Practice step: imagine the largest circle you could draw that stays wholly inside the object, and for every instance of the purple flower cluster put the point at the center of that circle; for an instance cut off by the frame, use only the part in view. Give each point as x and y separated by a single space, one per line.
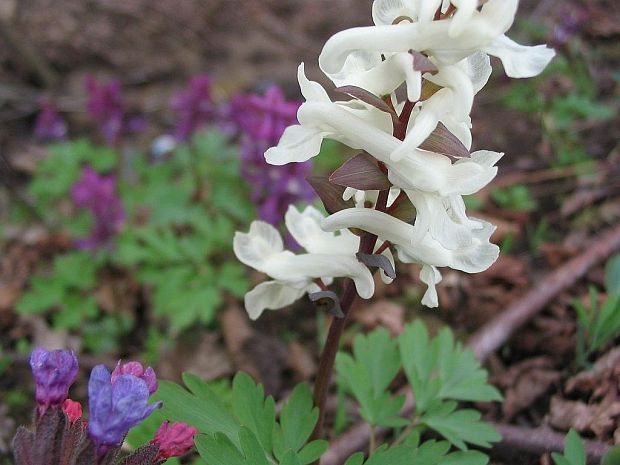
107 106
98 194
115 407
261 121
118 401
194 107
570 23
49 125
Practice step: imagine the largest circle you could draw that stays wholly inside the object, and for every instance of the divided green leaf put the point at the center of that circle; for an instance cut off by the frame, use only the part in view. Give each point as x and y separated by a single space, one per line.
245 430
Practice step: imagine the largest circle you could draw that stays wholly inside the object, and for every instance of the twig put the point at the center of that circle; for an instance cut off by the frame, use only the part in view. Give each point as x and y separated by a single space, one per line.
542 440
532 440
495 333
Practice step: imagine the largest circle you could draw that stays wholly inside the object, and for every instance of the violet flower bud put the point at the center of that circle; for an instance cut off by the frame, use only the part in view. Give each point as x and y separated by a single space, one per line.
54 372
136 369
115 407
173 439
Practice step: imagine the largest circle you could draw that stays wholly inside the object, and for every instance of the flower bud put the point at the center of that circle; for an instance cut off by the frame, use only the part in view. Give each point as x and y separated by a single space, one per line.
54 372
173 439
136 369
73 410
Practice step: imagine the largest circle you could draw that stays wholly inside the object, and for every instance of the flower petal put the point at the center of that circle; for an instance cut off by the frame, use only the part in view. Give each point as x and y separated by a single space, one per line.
306 230
430 276
520 61
297 144
256 247
270 295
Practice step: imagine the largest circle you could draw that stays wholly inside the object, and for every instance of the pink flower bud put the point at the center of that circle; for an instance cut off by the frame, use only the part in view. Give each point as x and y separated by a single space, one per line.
73 410
173 439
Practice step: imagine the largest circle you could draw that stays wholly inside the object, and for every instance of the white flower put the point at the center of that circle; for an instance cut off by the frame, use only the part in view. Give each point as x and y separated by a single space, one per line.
473 255
303 141
293 275
416 169
447 41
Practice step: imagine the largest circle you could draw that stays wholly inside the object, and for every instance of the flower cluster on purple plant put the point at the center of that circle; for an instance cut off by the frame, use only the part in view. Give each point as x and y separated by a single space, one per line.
118 401
256 121
107 106
194 107
261 120
49 125
98 194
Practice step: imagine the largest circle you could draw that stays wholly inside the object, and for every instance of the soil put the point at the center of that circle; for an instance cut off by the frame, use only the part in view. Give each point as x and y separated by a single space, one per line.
154 46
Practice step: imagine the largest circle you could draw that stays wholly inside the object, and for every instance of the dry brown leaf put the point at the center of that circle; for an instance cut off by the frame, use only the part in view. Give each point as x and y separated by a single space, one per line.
382 313
601 418
206 359
526 382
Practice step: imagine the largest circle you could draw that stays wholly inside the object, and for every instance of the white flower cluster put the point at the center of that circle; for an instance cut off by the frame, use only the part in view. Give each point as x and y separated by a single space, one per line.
442 45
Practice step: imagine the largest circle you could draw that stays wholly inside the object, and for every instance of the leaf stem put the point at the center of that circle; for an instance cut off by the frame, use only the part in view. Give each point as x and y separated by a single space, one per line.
372 445
404 433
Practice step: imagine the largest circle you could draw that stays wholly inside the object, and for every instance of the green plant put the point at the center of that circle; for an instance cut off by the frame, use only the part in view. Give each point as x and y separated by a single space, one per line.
245 428
516 197
599 324
56 173
193 203
561 113
440 372
67 288
574 452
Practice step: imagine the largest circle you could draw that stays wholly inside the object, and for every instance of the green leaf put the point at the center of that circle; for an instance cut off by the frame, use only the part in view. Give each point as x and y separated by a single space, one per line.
252 410
355 459
43 295
201 408
440 368
76 269
460 426
218 449
396 455
612 275
312 451
252 448
369 372
297 420
466 457
612 457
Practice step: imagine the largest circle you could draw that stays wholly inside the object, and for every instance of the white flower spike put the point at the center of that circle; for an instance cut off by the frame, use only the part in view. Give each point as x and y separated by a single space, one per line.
420 65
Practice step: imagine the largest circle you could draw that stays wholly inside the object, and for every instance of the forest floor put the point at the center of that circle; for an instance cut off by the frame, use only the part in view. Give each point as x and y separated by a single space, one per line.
557 197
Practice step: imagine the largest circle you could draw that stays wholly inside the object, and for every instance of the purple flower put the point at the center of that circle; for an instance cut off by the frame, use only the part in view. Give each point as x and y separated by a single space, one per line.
106 106
173 439
54 372
115 407
194 107
570 23
136 369
98 194
261 121
49 125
